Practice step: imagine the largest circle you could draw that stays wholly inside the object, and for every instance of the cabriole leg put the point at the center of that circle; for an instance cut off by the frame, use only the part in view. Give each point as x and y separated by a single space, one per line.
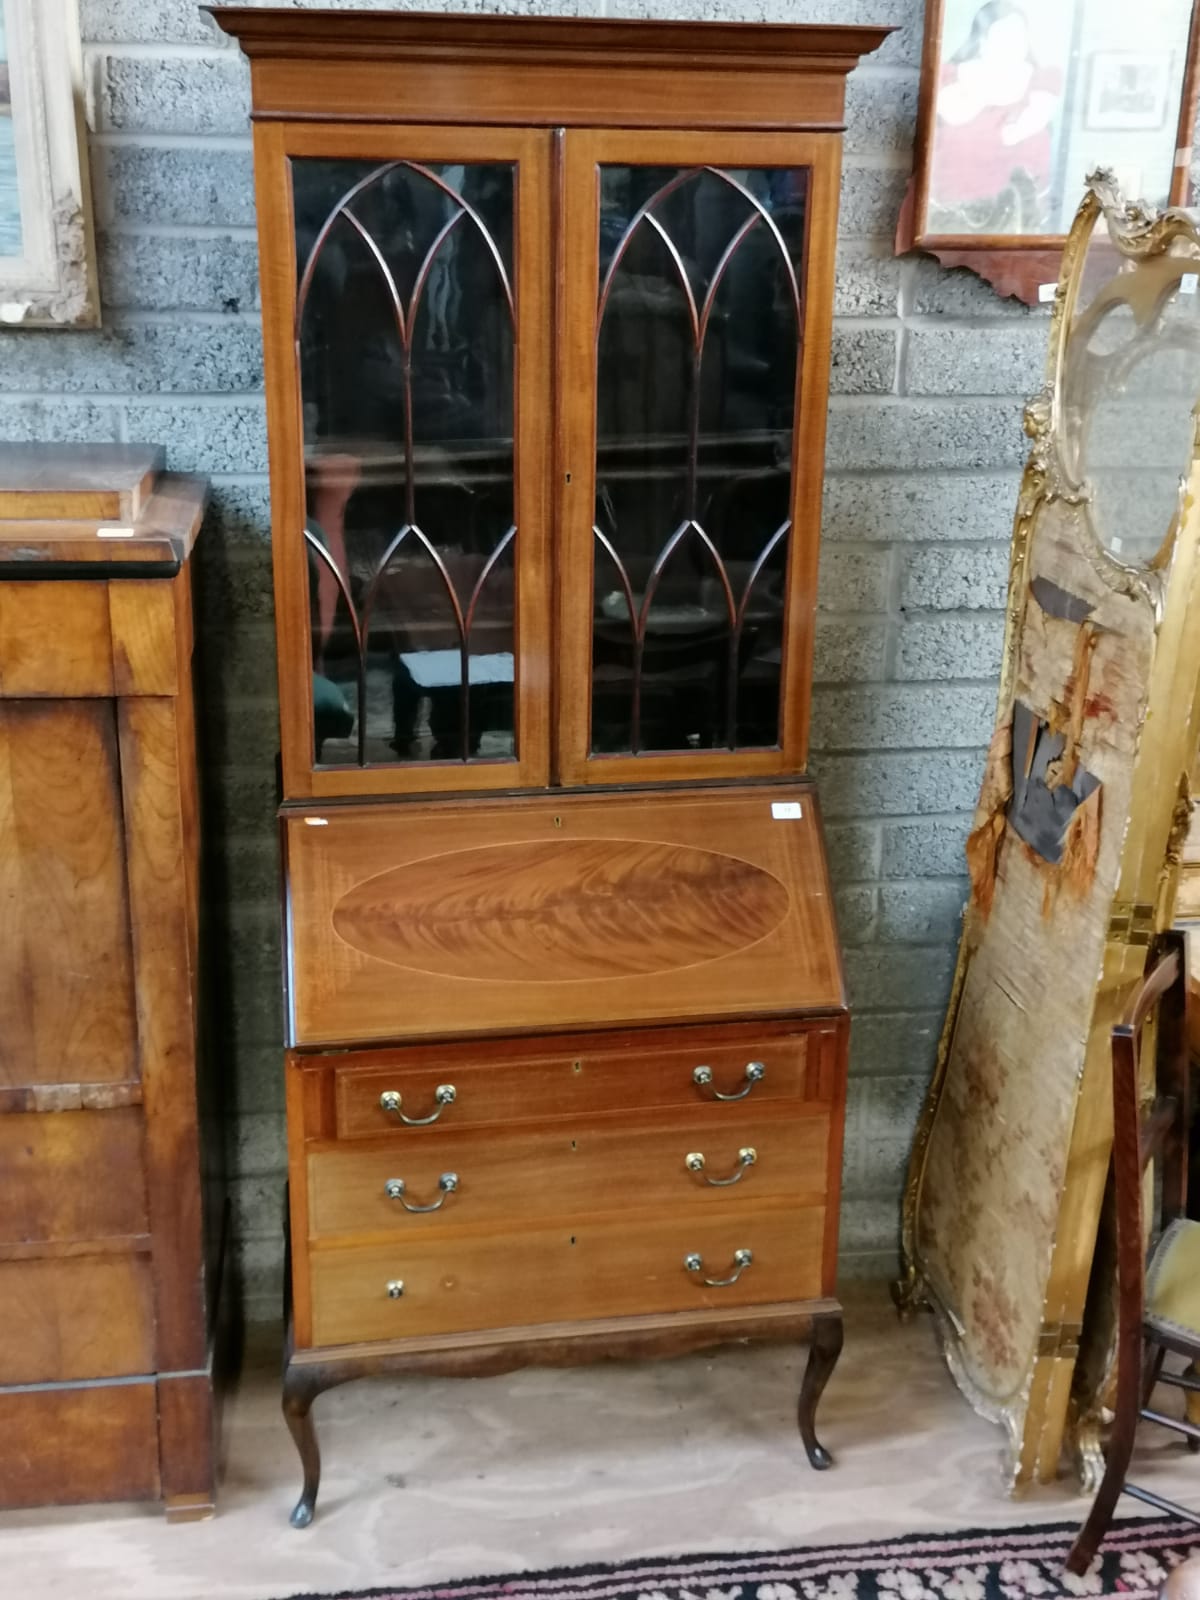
826 1347
299 1392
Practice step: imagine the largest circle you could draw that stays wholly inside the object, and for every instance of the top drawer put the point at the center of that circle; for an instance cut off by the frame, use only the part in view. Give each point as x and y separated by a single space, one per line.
465 1087
557 912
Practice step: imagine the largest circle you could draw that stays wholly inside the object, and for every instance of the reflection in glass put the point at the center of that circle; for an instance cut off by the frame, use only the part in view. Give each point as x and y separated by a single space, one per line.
1032 97
405 333
698 335
1129 394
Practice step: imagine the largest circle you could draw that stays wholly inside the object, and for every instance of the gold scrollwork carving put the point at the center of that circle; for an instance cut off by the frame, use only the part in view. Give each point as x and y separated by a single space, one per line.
1052 474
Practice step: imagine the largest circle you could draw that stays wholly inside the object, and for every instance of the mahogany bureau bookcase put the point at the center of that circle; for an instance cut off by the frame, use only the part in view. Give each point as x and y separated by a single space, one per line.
110 1198
547 308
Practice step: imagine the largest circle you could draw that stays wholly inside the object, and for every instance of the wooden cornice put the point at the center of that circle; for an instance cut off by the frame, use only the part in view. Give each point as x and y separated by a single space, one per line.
406 67
398 35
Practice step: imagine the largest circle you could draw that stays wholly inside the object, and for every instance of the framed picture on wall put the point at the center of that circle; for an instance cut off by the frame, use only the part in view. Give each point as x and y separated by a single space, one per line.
47 245
1020 100
1128 89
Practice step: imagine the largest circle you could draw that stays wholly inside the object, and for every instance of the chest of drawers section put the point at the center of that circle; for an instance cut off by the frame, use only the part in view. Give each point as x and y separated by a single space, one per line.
456 1189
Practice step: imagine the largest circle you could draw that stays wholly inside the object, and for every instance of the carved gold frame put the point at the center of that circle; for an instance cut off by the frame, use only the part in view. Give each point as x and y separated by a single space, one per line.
1141 236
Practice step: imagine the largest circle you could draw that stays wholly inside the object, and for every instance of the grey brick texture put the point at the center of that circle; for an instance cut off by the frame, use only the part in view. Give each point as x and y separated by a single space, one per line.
925 446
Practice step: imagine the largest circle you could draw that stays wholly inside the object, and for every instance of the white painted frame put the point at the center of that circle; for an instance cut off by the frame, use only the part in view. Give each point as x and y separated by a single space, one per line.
52 283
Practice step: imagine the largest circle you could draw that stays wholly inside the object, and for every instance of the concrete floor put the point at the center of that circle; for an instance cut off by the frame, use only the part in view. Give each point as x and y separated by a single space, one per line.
432 1479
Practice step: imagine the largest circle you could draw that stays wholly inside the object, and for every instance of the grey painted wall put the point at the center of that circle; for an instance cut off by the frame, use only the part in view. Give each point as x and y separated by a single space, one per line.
925 444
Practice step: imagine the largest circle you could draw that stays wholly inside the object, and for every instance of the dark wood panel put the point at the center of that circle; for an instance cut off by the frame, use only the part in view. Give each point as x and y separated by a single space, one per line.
54 640
91 1317
560 1273
162 954
187 1445
70 1446
66 993
504 1081
71 1175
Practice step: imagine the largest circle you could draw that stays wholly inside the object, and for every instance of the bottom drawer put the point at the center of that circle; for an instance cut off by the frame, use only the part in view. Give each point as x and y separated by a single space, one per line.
570 1272
78 1317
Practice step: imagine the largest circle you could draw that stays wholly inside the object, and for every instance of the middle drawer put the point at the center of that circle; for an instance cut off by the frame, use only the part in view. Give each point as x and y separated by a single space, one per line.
587 1168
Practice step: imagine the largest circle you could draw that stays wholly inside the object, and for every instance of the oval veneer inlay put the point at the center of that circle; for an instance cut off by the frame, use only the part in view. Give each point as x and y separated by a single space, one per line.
562 911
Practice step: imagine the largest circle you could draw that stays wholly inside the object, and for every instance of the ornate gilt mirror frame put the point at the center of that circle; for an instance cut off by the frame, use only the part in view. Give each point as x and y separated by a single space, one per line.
1077 836
1018 101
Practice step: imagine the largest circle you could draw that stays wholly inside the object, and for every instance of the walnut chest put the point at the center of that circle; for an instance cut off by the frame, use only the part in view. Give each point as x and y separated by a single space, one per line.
110 1230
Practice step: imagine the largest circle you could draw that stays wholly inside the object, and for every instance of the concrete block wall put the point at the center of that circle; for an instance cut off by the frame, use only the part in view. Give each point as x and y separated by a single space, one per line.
925 444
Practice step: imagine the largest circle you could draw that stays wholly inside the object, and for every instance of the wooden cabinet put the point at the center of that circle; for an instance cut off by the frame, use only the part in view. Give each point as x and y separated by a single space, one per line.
109 1233
548 307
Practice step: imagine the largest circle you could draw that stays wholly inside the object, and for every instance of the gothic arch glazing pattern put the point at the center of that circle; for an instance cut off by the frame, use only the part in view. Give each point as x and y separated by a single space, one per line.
406 323
698 344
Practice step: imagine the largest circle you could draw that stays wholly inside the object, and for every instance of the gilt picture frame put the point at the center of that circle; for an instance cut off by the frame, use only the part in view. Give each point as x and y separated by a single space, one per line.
47 240
1019 101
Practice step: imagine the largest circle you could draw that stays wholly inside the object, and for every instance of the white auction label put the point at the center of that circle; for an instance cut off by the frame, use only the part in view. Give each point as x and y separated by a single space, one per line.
786 810
1047 291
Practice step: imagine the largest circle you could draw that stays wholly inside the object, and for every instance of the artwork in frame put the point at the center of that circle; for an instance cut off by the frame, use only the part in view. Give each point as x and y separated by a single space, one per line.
1020 99
1128 89
47 244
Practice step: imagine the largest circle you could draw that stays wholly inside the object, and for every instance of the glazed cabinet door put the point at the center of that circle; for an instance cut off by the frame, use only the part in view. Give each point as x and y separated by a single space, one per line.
694 335
407 326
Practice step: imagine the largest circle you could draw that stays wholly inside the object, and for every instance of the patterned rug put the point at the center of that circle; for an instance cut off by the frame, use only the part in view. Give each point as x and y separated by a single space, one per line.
986 1564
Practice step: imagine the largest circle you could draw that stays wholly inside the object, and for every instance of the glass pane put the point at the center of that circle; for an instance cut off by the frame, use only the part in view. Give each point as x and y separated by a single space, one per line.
698 336
406 335
1132 381
1033 96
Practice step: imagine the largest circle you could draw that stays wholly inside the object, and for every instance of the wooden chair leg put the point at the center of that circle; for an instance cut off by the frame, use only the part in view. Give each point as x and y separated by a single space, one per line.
1120 1450
1089 1537
1152 1366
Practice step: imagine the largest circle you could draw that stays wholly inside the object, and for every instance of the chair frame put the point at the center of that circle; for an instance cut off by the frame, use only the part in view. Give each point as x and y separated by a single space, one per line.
1137 1139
